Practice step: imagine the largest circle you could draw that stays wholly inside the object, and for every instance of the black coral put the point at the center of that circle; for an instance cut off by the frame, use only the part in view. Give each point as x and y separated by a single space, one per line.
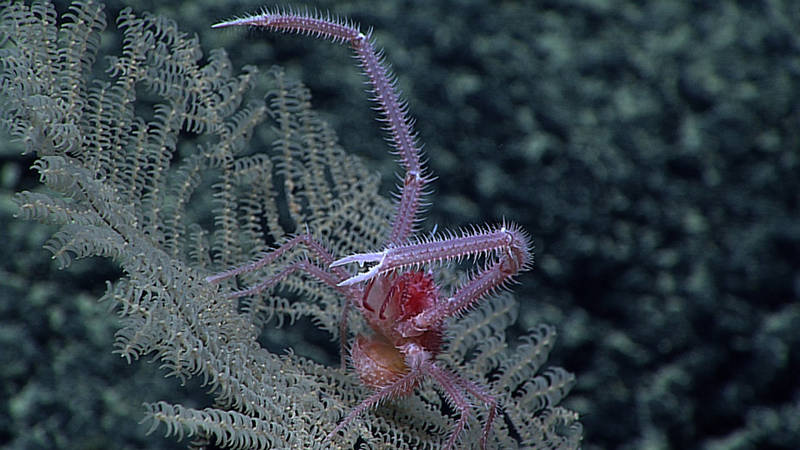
151 168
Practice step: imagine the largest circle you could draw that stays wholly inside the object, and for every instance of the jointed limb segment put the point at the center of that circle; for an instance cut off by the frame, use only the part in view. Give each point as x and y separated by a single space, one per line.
479 286
455 396
302 266
454 387
403 386
510 245
480 394
265 260
394 111
331 276
316 248
408 207
323 275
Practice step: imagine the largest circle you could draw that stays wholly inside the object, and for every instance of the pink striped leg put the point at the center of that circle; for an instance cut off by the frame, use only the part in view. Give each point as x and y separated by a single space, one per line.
329 276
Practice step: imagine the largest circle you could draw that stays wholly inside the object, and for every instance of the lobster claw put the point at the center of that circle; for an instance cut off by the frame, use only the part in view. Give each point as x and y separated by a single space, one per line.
361 259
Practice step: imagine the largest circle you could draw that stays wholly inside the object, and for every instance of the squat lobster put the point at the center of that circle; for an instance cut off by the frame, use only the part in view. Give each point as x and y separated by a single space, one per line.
400 302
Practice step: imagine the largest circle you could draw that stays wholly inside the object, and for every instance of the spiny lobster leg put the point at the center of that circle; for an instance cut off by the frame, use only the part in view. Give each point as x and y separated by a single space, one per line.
298 266
393 110
421 364
454 388
332 277
399 388
479 393
491 278
455 396
316 247
508 241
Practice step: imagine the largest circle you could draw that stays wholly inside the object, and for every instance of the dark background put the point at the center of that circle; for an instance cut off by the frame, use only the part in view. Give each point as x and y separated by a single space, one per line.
651 148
